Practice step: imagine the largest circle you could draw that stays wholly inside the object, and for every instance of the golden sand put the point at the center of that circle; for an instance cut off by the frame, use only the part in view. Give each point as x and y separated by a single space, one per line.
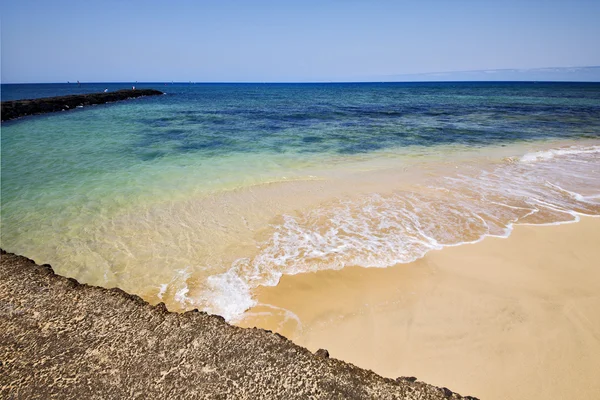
515 318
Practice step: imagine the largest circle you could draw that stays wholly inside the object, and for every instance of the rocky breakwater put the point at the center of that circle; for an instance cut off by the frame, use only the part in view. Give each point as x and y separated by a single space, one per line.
62 339
19 108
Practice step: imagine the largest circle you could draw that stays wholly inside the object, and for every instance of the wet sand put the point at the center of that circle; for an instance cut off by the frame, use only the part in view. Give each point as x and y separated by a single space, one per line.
513 318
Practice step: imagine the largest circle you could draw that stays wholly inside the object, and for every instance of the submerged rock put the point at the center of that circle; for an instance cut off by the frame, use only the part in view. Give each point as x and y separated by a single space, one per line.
19 108
62 339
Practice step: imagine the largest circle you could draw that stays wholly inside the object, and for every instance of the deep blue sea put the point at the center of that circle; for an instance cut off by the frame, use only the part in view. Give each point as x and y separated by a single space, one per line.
201 195
348 118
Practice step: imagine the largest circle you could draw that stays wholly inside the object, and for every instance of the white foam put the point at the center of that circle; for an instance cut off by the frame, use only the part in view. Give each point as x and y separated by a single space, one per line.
162 289
381 231
549 154
376 233
576 218
181 295
229 295
178 281
574 195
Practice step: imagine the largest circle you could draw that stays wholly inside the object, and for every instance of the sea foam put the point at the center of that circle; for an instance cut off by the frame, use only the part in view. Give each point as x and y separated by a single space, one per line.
548 154
380 230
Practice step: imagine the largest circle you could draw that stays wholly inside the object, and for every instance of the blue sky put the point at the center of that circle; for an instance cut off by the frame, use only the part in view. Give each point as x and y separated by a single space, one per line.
265 41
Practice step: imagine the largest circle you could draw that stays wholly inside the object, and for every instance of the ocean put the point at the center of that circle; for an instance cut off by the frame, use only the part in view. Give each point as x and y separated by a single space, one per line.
197 197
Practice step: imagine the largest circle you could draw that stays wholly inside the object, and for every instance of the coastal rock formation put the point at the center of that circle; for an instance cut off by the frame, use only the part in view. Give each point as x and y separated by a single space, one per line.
19 108
63 339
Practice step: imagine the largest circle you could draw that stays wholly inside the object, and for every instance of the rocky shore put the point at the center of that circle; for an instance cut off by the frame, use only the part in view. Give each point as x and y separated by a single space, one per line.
62 339
19 108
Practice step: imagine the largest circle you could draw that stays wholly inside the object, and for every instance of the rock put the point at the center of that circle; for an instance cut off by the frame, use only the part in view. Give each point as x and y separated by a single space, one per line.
61 339
19 108
322 353
406 378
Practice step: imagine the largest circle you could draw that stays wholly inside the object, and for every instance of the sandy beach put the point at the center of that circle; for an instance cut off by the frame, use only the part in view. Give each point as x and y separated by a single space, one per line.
513 318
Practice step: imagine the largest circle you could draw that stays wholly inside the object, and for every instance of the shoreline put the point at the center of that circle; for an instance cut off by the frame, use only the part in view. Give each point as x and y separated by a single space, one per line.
518 310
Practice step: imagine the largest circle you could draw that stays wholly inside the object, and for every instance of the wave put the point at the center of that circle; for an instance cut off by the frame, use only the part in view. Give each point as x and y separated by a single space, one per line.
548 154
377 230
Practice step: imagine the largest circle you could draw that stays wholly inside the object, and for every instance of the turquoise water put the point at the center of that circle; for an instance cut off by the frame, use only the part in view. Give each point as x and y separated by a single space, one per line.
202 184
266 128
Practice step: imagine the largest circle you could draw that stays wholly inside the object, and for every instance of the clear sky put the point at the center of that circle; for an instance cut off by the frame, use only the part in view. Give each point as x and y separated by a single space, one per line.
303 40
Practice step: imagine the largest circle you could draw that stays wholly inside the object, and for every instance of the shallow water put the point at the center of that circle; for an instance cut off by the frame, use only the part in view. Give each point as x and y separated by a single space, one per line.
197 197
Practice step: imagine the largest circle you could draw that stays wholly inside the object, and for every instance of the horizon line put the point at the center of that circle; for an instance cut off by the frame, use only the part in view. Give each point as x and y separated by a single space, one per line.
294 82
373 80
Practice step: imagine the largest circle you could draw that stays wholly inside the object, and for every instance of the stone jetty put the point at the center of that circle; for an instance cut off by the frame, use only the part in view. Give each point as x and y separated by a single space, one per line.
19 108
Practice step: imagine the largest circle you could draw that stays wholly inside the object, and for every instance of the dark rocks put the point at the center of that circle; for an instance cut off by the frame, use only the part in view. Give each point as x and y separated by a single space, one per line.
19 108
322 353
406 378
60 339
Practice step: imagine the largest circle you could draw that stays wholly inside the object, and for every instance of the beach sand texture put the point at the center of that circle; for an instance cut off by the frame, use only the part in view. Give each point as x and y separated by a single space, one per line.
513 318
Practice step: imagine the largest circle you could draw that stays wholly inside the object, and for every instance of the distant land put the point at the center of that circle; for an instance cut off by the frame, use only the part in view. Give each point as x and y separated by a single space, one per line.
560 74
